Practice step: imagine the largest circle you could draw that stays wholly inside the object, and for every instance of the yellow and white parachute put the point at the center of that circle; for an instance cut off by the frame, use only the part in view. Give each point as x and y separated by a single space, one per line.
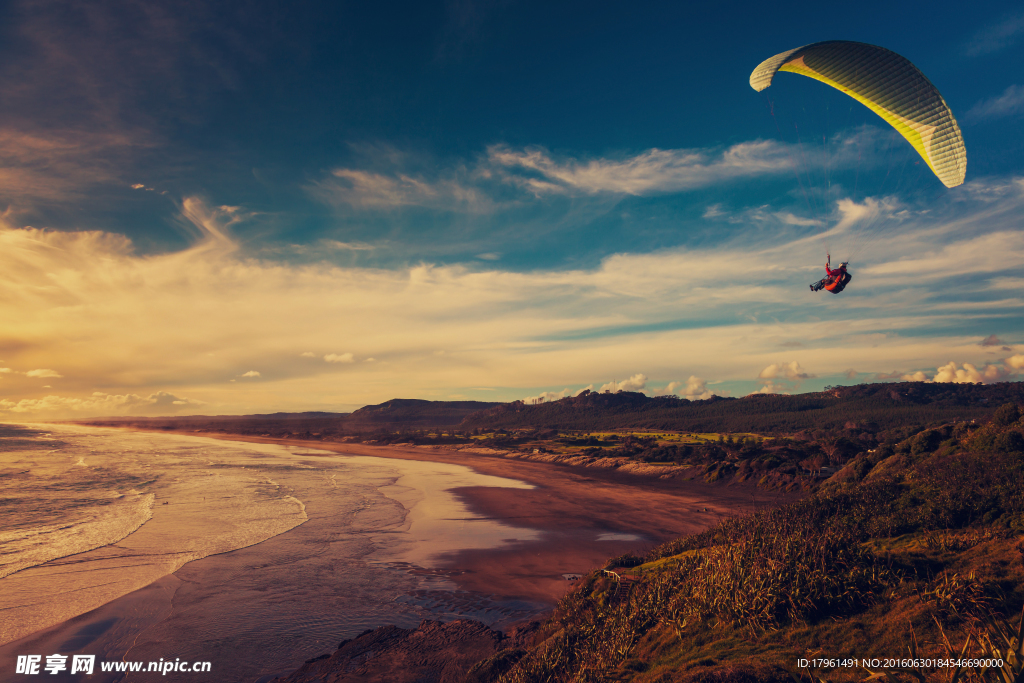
890 86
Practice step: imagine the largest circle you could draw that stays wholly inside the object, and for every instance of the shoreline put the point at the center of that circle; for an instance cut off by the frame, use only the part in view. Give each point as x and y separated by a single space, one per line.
572 505
583 516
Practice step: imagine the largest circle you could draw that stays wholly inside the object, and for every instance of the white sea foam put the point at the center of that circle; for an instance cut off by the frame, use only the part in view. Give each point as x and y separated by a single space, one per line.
144 505
99 525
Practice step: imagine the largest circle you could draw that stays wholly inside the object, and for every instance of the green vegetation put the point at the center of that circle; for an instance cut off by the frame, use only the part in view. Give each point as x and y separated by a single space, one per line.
910 544
883 406
916 548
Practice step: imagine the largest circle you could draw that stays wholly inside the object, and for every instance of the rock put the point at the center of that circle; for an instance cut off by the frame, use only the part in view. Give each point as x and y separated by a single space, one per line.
434 651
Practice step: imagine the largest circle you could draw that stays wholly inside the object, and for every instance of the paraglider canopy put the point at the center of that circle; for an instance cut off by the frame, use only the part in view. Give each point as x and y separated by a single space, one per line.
890 86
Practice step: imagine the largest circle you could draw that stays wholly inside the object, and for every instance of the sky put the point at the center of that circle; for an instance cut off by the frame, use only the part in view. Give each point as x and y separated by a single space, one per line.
225 208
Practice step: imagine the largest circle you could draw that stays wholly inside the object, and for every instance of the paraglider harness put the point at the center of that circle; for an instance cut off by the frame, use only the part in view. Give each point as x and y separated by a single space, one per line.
836 280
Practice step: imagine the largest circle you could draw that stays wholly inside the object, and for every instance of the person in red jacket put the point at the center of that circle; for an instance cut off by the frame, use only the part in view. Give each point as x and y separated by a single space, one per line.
836 280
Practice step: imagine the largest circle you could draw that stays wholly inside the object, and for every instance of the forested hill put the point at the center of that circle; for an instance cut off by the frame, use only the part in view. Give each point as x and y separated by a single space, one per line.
417 412
882 406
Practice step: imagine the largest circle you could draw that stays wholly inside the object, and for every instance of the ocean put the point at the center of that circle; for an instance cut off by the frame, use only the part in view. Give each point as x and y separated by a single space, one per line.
136 546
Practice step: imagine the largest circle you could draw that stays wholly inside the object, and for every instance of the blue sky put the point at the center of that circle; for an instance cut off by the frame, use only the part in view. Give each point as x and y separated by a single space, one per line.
252 207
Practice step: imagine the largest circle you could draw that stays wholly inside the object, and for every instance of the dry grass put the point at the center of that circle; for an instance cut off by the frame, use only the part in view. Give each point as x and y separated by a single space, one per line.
852 571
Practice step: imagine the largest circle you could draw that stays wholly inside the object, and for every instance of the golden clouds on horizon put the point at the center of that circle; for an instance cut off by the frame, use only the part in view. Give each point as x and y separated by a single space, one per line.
128 333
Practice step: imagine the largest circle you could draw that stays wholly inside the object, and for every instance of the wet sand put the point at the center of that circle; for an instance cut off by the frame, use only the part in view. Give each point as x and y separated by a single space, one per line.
586 515
581 517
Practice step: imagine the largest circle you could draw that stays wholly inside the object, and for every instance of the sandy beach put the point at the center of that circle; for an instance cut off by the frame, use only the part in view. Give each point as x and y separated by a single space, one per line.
484 536
571 506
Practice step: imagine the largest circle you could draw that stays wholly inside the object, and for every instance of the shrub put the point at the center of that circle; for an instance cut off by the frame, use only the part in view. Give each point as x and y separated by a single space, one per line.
1010 442
1006 415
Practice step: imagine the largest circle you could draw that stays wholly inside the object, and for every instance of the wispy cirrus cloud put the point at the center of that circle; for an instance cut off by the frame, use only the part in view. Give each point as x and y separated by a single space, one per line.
1008 104
59 165
508 179
92 89
997 36
367 190
651 172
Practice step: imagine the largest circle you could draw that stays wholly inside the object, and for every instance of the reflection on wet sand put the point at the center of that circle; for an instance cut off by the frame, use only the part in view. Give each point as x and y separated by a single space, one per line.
367 530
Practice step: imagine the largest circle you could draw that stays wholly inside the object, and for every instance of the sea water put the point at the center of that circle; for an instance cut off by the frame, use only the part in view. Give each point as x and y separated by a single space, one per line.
141 546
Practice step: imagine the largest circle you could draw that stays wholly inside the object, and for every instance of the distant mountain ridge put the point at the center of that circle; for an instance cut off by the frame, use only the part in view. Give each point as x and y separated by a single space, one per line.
396 414
873 406
884 405
414 410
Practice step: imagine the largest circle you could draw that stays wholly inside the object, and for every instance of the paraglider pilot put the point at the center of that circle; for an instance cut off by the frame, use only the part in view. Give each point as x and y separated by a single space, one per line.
836 280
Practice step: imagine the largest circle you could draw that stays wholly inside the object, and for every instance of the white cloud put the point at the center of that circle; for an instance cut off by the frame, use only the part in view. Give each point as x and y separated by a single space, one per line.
790 371
251 373
915 377
635 383
1010 103
997 36
87 303
345 246
368 190
695 388
792 219
44 372
56 165
98 403
993 253
5 371
307 354
546 396
339 358
782 378
771 387
669 390
653 171
968 373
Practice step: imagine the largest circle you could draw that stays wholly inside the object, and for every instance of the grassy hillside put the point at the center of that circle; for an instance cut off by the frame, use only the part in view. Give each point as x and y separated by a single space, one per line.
919 552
